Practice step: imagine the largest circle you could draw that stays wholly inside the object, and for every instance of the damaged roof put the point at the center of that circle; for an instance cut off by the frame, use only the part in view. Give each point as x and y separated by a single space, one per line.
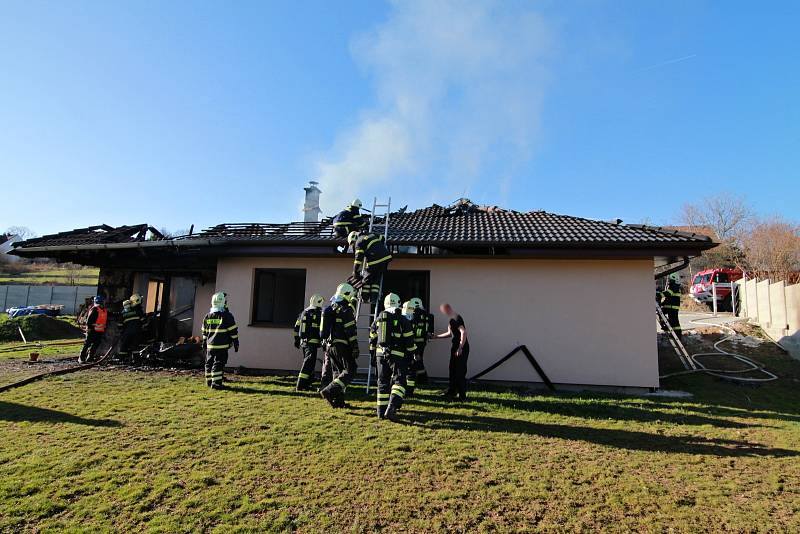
95 235
462 224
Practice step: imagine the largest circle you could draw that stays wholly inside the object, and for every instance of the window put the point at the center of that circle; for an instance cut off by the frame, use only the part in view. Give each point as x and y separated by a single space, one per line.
721 278
278 296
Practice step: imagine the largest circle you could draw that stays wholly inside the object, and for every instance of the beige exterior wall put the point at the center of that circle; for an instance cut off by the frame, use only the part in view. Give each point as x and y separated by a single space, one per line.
586 321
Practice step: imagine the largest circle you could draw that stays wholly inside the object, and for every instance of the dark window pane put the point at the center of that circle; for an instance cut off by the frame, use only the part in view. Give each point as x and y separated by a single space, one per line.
279 296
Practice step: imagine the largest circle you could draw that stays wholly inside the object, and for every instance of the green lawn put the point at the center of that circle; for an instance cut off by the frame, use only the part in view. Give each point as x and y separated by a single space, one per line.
54 276
111 450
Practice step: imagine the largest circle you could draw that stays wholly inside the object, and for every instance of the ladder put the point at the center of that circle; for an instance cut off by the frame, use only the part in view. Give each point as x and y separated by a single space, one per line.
365 314
674 340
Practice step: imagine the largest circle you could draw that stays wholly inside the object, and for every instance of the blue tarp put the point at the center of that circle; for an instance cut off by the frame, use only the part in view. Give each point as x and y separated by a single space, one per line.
32 310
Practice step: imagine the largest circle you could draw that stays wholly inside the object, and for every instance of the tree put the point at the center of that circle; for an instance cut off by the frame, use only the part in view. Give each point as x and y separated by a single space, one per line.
22 231
727 218
772 249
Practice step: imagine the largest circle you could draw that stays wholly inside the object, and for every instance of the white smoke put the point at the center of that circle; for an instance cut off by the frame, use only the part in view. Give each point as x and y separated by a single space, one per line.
458 86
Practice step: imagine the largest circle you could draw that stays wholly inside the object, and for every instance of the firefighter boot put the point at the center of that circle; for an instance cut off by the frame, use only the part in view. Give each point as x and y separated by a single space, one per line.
327 394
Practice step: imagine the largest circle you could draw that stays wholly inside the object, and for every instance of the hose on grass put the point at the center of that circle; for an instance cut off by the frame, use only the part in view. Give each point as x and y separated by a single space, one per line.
39 345
59 372
726 374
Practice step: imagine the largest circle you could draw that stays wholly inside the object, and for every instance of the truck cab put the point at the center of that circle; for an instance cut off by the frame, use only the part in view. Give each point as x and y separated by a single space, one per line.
701 287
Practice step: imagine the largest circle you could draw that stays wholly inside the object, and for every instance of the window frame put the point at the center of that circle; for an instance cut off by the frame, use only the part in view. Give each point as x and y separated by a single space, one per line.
255 292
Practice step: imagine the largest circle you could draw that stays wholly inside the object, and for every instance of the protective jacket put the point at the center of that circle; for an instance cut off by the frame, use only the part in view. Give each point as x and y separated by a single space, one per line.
392 335
338 324
132 318
306 328
670 298
370 248
97 319
349 219
220 330
423 326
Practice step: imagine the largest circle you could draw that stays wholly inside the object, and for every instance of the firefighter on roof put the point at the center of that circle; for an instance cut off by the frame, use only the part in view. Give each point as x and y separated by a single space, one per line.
306 337
350 219
220 333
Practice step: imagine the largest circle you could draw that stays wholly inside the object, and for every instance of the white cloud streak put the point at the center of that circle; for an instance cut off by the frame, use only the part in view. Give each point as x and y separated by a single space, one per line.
458 86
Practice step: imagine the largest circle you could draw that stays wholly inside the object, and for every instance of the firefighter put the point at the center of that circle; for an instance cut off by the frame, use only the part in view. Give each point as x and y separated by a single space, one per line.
350 219
392 339
220 333
306 337
338 333
422 322
371 253
131 330
96 321
670 302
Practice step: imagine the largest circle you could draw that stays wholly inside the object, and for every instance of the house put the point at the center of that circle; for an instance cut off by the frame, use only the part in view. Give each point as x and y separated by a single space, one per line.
7 245
577 292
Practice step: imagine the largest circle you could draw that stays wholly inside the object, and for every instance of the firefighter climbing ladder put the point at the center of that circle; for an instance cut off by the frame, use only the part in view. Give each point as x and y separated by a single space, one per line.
674 340
365 314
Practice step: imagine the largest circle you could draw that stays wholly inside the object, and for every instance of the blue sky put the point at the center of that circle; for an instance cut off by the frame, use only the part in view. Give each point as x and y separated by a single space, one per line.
179 113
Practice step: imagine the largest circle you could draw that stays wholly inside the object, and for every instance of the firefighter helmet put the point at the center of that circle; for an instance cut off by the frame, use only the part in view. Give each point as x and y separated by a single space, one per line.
99 300
675 278
408 309
391 301
352 237
416 303
219 300
356 203
126 304
316 300
345 291
136 299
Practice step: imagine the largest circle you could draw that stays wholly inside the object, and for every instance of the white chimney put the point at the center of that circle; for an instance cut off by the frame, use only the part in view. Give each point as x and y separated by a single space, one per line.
311 209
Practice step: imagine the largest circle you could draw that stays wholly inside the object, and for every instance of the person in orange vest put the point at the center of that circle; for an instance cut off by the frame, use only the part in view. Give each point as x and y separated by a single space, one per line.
96 323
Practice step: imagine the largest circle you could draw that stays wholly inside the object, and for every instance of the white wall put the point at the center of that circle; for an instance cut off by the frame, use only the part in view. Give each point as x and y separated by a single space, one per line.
586 321
775 307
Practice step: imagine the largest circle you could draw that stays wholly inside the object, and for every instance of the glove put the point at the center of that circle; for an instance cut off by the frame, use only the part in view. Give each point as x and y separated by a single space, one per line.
297 342
236 346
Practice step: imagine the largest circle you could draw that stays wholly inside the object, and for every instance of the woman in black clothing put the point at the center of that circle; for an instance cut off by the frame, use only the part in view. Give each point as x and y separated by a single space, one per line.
459 353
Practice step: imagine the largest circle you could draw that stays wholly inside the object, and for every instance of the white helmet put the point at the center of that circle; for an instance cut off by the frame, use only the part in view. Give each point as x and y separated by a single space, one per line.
219 300
316 300
345 291
356 203
136 299
416 303
408 309
126 303
391 301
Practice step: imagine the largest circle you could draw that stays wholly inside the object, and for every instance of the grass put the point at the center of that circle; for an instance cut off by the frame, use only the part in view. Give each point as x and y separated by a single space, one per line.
38 328
111 450
53 276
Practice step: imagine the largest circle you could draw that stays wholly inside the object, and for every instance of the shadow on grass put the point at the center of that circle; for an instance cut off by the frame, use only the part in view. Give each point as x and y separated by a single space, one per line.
11 411
622 439
589 409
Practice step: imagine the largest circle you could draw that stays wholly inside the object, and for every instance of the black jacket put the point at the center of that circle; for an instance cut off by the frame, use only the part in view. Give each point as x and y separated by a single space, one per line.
220 330
307 326
372 249
339 324
392 335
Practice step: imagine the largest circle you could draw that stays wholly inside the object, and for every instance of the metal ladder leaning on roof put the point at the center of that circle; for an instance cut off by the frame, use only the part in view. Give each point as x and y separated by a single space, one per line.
675 341
365 315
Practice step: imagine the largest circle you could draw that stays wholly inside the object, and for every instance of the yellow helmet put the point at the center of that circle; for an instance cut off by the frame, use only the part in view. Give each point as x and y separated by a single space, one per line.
136 299
316 300
352 237
345 290
356 203
391 301
416 303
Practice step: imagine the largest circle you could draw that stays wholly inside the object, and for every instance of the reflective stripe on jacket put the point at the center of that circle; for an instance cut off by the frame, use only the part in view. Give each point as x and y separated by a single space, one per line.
338 324
220 330
307 326
392 334
372 249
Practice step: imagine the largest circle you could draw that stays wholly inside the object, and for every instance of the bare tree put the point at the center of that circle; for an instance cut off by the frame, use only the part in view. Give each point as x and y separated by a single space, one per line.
22 231
772 249
726 215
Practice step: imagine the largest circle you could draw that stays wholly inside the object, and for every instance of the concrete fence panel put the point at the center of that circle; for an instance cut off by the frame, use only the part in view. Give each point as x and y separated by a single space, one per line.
71 297
764 310
752 300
